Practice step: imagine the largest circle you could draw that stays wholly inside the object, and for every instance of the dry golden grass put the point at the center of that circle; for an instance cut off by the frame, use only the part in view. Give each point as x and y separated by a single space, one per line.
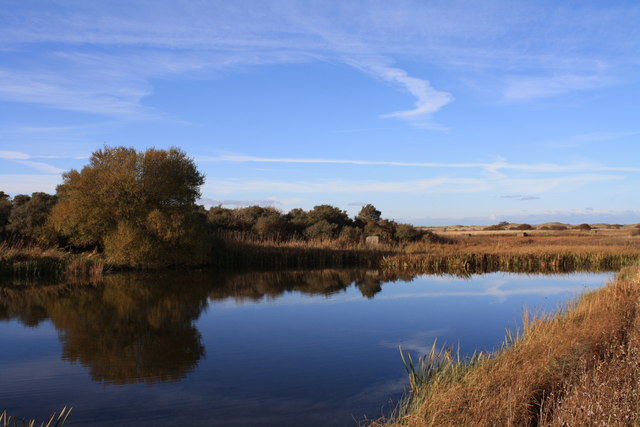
22 261
551 251
578 367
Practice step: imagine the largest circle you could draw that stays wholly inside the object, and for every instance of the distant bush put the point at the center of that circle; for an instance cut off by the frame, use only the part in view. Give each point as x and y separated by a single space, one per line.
431 237
583 227
406 233
557 227
500 226
523 227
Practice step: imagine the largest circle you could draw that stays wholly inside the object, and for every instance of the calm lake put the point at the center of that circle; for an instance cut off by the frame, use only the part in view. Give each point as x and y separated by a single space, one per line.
286 348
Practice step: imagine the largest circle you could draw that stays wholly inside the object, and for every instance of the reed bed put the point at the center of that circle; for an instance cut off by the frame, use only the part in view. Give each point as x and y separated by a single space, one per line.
250 253
460 255
576 367
546 253
24 263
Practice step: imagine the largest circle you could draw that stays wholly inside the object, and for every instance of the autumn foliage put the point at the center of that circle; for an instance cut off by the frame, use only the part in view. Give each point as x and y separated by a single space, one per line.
137 207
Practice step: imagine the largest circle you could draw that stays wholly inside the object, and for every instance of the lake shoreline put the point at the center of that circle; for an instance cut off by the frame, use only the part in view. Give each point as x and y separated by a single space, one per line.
473 253
576 367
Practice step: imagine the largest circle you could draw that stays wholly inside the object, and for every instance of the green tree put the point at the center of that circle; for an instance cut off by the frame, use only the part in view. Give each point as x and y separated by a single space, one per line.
298 220
221 219
322 230
271 224
139 207
5 211
329 214
29 215
369 213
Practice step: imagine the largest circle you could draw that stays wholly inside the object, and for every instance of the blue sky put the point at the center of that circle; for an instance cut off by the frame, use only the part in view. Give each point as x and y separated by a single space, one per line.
437 112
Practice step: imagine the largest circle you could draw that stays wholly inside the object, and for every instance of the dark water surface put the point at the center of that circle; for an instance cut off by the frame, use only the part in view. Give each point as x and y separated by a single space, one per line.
314 348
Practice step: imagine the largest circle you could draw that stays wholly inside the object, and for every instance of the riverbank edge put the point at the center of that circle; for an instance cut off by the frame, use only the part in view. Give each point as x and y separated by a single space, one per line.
579 366
34 263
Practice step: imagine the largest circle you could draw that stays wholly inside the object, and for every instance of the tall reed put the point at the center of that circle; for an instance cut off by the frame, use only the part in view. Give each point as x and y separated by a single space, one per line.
547 369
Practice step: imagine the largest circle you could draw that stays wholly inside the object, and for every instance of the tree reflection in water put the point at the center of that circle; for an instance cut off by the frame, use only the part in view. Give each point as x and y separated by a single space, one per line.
139 327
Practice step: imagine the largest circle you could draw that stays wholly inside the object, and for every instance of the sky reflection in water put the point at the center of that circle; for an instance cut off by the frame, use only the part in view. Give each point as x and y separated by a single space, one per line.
278 348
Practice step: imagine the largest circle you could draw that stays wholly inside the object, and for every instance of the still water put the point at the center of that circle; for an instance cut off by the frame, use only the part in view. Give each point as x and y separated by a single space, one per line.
286 348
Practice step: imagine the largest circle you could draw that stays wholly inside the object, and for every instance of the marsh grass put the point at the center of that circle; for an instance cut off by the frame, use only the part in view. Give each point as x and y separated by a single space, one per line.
542 254
241 252
561 369
55 420
24 262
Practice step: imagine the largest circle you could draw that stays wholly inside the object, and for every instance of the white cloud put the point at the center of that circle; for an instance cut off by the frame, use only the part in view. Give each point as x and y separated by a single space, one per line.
530 87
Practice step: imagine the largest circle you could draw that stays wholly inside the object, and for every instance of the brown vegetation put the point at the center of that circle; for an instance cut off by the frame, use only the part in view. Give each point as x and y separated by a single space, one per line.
540 251
28 262
578 367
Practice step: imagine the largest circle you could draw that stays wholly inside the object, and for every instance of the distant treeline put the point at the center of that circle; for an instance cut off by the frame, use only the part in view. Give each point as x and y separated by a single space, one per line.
139 209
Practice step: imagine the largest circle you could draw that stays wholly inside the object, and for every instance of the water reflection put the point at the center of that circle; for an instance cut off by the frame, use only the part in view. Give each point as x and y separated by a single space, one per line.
140 327
265 348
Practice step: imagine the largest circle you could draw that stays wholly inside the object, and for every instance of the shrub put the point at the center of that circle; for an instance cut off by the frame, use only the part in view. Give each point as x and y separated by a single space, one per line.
406 233
524 227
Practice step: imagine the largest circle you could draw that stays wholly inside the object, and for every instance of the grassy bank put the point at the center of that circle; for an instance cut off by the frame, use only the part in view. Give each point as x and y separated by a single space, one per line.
577 367
23 263
479 252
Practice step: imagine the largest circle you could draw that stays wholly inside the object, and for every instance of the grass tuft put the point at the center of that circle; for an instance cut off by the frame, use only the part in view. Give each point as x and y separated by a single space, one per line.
55 420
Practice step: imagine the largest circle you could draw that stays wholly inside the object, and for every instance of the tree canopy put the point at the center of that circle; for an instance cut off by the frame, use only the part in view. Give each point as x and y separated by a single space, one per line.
139 207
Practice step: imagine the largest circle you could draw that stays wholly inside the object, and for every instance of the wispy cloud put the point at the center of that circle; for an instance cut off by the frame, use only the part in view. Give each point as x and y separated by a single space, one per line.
491 167
239 203
40 166
364 57
426 186
13 155
427 99
590 138
533 87
520 197
23 159
145 40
